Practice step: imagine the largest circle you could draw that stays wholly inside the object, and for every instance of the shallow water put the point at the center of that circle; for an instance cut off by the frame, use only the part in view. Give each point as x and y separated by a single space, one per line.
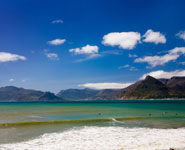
22 124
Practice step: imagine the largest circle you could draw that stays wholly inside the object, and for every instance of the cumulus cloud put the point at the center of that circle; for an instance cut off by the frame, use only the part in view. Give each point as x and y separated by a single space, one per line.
105 85
181 35
11 80
125 40
161 60
162 74
5 57
154 37
88 49
57 21
52 56
57 42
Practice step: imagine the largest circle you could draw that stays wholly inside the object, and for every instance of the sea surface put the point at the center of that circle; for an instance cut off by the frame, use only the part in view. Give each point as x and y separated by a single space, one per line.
93 125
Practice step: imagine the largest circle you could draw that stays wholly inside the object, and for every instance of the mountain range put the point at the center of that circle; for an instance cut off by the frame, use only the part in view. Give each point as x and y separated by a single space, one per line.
12 93
149 88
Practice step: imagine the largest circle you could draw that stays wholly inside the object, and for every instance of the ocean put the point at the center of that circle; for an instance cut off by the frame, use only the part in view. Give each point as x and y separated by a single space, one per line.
93 125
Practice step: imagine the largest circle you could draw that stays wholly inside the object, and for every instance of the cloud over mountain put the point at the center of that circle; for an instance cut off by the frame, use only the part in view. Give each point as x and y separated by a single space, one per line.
163 74
105 85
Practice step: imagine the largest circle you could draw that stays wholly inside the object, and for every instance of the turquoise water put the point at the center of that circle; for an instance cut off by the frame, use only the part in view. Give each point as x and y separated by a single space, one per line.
24 121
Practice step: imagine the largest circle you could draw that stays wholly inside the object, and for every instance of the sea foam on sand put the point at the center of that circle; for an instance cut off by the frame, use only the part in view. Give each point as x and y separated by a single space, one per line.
105 138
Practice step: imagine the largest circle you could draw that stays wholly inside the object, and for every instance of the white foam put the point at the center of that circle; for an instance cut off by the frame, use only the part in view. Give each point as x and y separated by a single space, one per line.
105 138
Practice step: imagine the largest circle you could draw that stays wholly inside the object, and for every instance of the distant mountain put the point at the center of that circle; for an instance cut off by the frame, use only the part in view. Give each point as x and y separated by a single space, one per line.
176 87
49 96
89 94
77 94
146 89
12 93
164 81
151 88
107 94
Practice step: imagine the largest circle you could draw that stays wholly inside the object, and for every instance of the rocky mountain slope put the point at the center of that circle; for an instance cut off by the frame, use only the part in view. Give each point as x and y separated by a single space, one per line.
146 89
151 88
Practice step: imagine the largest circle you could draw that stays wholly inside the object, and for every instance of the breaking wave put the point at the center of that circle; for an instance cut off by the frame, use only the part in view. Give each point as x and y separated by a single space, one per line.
105 138
120 119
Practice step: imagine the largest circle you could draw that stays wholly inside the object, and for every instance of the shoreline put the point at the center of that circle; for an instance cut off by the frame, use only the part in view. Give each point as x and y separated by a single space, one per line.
102 101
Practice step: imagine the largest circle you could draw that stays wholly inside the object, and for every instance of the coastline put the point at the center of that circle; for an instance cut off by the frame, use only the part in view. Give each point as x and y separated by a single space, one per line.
101 101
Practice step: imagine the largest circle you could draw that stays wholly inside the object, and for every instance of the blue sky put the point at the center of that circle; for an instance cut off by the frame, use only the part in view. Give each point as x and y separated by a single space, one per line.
59 44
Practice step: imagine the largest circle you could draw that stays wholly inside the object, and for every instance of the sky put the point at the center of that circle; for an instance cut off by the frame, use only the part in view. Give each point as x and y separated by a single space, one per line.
51 45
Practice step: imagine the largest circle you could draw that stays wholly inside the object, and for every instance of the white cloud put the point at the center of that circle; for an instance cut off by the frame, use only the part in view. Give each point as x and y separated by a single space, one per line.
133 69
181 35
5 57
11 80
132 56
161 60
162 74
88 49
125 40
106 85
57 42
124 66
23 80
57 21
182 63
177 50
157 60
113 52
89 57
52 56
154 37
